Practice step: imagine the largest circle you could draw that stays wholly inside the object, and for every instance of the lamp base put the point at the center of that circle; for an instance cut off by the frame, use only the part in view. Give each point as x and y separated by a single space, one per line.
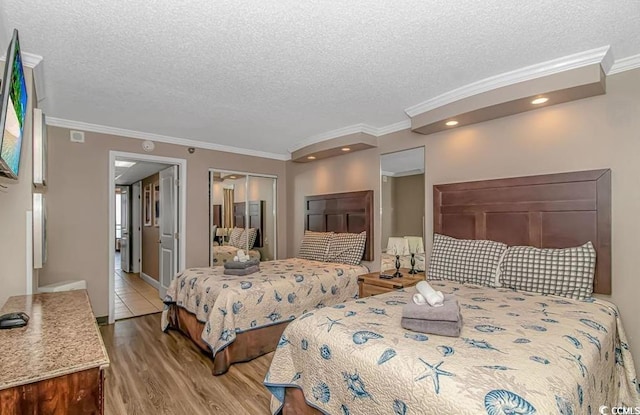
397 274
413 271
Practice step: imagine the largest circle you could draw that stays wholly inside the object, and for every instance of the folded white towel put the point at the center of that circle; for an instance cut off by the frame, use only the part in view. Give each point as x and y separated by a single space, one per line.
426 294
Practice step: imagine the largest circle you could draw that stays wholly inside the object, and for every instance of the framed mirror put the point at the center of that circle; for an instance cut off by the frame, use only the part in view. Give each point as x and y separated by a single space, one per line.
402 185
242 216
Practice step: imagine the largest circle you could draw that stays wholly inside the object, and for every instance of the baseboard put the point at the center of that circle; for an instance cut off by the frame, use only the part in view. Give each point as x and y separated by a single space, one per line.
150 280
102 321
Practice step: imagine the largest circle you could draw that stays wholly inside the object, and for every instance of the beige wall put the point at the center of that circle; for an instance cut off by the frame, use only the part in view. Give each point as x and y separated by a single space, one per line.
78 205
150 235
408 205
598 132
15 201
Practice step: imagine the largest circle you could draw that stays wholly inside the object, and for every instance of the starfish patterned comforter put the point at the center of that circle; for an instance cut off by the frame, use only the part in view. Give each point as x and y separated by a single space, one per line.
281 291
518 353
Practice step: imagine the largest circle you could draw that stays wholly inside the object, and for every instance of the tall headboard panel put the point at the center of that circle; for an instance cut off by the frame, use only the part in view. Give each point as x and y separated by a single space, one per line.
548 211
342 212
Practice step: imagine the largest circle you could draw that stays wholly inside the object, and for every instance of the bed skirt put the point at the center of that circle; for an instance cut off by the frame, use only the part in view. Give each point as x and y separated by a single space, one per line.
295 404
247 346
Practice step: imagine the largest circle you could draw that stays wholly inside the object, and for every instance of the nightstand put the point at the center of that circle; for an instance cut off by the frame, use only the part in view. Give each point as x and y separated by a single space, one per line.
372 284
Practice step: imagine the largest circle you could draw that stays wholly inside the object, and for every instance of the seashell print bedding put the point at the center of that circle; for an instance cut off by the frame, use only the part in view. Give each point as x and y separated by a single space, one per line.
518 353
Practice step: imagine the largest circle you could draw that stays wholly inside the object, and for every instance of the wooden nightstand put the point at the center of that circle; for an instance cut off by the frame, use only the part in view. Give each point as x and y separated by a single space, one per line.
372 284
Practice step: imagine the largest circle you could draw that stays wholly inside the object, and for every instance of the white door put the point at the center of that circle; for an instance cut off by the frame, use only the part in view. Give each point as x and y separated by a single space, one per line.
135 237
124 226
169 231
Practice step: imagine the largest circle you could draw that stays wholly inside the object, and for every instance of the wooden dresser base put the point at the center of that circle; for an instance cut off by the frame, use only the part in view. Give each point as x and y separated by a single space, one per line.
78 393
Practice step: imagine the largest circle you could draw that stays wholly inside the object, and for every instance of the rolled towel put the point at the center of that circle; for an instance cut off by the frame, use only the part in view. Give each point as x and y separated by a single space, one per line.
241 265
450 310
419 299
241 272
432 297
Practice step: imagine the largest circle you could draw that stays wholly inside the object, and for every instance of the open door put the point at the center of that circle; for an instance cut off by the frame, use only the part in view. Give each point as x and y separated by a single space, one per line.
124 237
169 232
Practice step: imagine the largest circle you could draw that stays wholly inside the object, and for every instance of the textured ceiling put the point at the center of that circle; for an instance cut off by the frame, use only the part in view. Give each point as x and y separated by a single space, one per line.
265 75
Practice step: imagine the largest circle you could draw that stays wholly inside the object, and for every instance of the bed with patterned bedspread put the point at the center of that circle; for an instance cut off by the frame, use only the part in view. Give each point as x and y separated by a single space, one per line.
224 253
518 353
279 292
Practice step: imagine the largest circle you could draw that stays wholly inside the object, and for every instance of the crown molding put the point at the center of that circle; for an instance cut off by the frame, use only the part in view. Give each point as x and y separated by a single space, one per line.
392 128
625 64
103 129
352 129
318 138
578 60
31 60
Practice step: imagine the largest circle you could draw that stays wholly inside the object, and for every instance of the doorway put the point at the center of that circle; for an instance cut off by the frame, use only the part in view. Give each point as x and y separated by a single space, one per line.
146 231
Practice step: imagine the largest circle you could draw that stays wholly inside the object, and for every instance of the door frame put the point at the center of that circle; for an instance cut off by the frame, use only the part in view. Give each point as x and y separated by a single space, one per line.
182 218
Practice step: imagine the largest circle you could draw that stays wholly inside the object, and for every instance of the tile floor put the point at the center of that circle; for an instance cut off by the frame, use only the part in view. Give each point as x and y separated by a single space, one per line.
134 297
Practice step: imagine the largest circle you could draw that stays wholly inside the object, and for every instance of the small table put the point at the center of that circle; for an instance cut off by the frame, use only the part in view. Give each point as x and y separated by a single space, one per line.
371 283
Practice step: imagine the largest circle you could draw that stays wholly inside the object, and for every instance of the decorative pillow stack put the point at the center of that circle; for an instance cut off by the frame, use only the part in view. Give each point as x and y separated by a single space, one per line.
346 248
315 245
565 272
465 260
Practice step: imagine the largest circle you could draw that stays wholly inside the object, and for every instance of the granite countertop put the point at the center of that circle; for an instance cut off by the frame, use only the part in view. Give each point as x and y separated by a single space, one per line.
62 337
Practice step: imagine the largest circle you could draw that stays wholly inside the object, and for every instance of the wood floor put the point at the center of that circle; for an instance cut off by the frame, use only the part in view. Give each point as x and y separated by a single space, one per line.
156 373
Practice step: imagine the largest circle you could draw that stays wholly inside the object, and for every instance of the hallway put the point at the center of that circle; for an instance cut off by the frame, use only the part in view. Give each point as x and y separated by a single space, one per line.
134 296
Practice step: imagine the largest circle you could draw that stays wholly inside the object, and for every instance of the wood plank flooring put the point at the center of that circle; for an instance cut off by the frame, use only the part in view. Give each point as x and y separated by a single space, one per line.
156 373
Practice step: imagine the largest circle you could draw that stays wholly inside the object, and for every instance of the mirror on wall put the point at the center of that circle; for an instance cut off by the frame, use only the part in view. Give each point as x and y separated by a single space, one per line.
402 188
242 215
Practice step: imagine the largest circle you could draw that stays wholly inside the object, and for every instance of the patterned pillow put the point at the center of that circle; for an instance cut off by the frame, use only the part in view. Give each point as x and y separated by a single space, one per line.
465 260
347 248
252 235
565 272
235 236
315 245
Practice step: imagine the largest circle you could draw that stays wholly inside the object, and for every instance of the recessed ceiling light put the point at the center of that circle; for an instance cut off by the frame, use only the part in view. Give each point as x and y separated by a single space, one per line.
311 157
540 100
123 163
346 149
451 123
232 177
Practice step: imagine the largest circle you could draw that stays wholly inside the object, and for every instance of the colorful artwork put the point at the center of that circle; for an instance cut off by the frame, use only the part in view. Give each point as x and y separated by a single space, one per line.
15 115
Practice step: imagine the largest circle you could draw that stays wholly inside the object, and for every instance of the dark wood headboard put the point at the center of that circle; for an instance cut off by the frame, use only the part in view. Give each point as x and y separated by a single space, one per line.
256 218
342 212
548 211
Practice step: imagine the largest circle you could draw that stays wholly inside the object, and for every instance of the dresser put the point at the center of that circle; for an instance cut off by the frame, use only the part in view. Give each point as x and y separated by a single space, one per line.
55 364
371 283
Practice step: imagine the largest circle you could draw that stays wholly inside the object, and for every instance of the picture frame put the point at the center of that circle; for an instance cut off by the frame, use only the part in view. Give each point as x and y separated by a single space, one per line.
39 231
39 149
156 204
147 202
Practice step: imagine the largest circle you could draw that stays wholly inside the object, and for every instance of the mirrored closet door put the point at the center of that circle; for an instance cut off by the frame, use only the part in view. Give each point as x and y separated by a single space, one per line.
402 193
242 215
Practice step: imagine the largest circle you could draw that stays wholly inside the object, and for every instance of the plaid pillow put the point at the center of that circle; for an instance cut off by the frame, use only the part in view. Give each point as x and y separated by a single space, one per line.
315 245
347 248
565 272
465 260
252 235
235 238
